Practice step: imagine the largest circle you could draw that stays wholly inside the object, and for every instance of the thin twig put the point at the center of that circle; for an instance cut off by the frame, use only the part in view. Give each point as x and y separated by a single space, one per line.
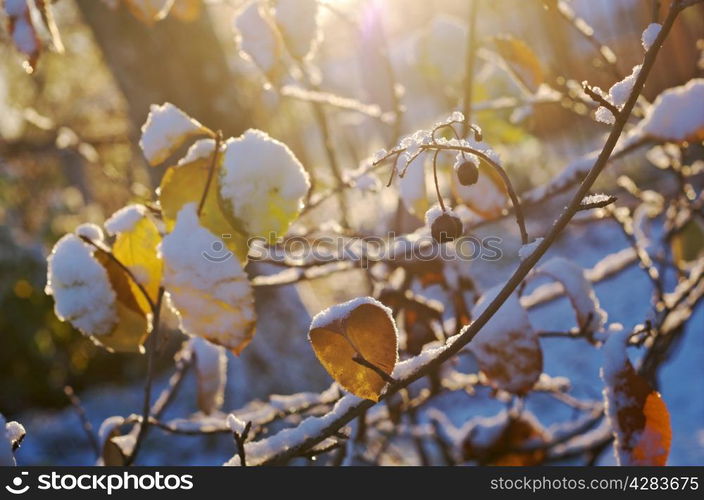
599 99
85 423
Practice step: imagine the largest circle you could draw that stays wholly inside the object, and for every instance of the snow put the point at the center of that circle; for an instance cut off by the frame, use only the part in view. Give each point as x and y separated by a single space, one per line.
202 148
341 312
260 451
82 291
590 316
211 370
166 128
649 35
235 424
615 356
90 231
434 212
263 182
256 37
463 158
676 115
125 219
526 250
618 95
15 432
213 298
298 22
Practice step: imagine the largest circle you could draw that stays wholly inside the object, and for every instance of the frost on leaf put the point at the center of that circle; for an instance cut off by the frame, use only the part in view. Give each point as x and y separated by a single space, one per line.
166 128
185 182
590 316
262 185
521 60
211 295
361 328
258 39
297 21
136 240
149 11
637 413
676 115
211 371
506 347
82 292
22 30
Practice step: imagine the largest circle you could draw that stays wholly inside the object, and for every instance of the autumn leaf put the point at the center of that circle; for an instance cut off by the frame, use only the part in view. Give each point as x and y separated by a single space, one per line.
149 11
505 448
507 348
521 60
186 10
166 129
184 183
361 328
637 413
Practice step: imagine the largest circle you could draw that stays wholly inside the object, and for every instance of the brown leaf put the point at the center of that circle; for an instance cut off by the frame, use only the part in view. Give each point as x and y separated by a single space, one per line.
521 60
360 327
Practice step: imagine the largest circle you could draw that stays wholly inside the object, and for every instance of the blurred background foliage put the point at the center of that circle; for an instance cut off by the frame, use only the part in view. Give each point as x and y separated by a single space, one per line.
68 131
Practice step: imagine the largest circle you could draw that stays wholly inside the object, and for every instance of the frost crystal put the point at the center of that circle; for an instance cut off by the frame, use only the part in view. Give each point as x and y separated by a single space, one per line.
263 182
81 288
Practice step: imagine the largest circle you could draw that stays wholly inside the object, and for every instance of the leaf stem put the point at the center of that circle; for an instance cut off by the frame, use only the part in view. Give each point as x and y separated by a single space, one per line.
211 171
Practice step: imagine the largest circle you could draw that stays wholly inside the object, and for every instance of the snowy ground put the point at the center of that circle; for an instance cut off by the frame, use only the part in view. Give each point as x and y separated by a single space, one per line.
56 438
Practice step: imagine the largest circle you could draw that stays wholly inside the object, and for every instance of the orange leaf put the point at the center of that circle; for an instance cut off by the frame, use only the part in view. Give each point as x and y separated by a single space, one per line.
521 60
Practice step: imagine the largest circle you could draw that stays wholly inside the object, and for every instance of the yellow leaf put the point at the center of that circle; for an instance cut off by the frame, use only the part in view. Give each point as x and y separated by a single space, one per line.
186 10
183 184
521 60
136 249
362 327
132 326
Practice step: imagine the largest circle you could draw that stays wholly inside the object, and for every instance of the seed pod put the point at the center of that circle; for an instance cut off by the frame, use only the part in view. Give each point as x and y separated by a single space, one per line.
446 227
467 173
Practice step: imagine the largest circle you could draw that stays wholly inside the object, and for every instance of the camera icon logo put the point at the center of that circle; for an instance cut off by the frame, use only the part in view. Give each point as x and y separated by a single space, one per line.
16 488
218 251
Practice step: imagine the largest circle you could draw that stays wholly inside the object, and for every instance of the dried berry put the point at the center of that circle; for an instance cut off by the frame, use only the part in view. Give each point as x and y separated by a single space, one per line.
467 173
446 227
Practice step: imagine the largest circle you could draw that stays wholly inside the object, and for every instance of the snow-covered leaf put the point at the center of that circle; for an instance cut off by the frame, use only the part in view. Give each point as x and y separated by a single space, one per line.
637 413
522 61
211 370
676 115
590 316
487 197
149 11
259 40
211 294
361 327
23 32
111 454
137 238
297 21
507 348
166 128
262 185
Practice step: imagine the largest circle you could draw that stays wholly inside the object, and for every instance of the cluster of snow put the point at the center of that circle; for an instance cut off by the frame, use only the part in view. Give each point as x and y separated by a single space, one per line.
463 158
590 315
257 38
236 424
340 312
211 370
90 231
676 115
213 299
125 219
526 250
649 36
81 288
165 130
202 148
298 22
618 95
263 182
434 212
